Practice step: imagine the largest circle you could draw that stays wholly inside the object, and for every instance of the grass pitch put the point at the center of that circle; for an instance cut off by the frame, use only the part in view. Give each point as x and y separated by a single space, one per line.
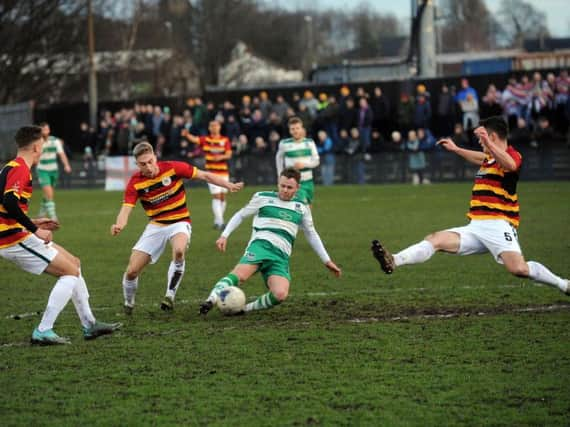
455 341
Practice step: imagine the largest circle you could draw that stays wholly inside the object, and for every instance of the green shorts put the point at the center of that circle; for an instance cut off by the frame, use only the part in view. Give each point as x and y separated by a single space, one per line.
46 178
307 192
272 261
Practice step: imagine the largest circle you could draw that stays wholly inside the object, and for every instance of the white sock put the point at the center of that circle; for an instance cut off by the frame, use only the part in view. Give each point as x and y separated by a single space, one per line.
224 204
415 254
217 209
540 273
129 290
80 298
58 299
175 273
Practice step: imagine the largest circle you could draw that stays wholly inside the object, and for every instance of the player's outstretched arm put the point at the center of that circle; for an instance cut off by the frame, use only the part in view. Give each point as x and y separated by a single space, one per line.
46 223
65 161
192 138
248 210
216 180
122 220
475 157
334 268
222 243
498 152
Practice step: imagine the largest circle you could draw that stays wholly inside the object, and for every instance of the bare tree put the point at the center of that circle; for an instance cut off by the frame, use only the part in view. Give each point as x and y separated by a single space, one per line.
207 31
38 40
468 26
521 20
370 28
129 37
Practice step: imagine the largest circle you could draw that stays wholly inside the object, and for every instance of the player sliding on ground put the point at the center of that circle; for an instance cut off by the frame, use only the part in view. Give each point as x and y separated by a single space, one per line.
28 243
494 213
278 216
160 188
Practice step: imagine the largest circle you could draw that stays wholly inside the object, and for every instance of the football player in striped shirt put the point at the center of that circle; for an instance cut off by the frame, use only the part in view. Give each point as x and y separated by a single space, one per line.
278 215
494 213
160 188
28 243
217 150
48 170
300 153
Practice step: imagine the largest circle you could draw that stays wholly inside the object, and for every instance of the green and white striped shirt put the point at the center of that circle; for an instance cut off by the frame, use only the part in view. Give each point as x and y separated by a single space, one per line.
291 151
48 160
278 221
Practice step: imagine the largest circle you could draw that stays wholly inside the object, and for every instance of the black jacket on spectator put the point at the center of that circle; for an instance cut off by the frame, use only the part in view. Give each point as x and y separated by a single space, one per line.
490 109
347 118
520 137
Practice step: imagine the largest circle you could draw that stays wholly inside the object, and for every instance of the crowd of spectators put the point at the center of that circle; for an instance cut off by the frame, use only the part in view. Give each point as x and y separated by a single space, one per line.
350 123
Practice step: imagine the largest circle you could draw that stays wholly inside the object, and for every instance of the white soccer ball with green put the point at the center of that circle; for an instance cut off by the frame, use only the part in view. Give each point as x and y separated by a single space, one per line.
231 300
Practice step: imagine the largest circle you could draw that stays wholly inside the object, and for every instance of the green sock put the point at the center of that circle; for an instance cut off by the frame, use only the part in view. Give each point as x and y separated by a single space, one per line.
264 302
225 282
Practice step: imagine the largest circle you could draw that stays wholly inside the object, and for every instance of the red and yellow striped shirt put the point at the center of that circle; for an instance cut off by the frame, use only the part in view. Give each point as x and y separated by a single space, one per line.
494 194
213 147
163 197
15 177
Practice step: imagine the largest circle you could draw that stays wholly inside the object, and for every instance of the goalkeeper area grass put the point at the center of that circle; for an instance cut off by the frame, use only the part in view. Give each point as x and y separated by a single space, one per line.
454 341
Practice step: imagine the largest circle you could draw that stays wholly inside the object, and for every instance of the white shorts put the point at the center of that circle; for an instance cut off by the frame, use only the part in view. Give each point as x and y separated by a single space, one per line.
480 236
154 238
216 189
32 254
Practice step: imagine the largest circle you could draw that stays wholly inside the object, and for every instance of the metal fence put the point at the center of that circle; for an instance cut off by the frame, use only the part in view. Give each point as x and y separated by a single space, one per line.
378 168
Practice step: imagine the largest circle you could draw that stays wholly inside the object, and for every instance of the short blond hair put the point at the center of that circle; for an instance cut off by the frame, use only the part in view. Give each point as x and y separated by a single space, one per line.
141 148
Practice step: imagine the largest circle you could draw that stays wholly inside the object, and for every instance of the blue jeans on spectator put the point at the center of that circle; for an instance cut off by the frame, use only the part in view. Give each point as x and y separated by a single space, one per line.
365 138
327 168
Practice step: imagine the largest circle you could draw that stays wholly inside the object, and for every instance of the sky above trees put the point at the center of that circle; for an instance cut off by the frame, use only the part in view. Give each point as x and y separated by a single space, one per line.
557 11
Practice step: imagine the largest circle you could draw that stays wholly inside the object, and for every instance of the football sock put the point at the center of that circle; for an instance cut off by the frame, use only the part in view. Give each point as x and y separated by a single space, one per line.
540 273
80 298
264 302
225 282
415 254
175 273
58 298
50 209
43 210
217 209
224 204
129 290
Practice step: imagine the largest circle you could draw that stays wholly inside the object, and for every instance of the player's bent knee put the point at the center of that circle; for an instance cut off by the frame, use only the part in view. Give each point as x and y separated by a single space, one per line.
131 274
519 270
435 239
280 294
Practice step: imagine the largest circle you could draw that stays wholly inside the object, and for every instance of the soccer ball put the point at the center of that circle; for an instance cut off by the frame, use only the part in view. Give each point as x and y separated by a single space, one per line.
231 300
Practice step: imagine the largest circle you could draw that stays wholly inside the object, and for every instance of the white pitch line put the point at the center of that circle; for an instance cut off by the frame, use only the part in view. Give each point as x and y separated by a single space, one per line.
535 309
15 344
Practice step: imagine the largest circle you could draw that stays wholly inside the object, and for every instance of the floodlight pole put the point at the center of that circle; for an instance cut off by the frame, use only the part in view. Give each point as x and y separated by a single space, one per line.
426 49
92 69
